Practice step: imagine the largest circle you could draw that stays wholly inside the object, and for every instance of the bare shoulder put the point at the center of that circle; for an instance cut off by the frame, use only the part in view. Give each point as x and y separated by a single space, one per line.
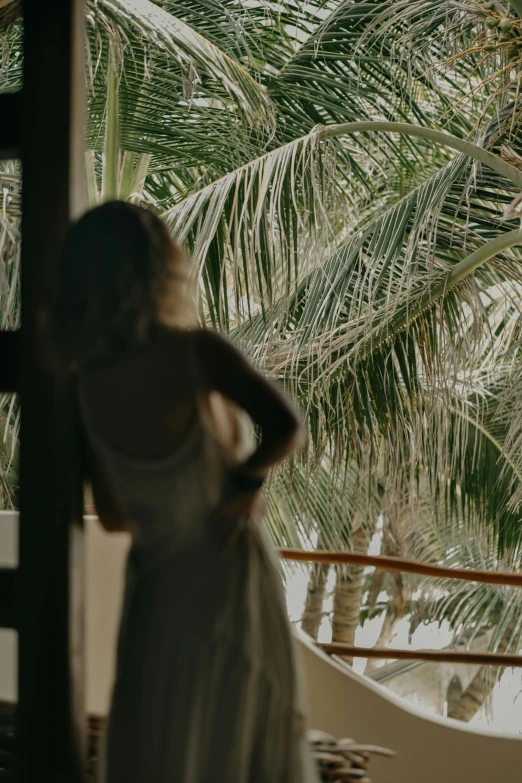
201 354
201 339
207 339
222 364
215 347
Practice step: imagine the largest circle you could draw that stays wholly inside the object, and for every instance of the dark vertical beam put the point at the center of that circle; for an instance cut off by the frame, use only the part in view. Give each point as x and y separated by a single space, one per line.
8 615
9 356
50 713
10 124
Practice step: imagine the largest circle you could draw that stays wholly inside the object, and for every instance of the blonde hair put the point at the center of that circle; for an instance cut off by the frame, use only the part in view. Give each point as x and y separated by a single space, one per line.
121 279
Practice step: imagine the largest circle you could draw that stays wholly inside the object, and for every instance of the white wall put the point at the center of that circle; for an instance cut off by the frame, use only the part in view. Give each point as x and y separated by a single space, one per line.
105 564
8 639
105 560
430 749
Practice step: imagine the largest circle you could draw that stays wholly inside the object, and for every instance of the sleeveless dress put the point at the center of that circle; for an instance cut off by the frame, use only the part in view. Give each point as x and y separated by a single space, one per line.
206 688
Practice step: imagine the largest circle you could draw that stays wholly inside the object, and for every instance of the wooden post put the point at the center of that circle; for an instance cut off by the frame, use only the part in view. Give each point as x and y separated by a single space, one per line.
50 712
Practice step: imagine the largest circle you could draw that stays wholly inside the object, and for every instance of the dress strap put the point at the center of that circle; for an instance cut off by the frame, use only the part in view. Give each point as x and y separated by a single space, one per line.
196 379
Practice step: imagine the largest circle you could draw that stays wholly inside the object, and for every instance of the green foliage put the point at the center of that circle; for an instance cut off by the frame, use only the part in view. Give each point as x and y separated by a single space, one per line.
369 270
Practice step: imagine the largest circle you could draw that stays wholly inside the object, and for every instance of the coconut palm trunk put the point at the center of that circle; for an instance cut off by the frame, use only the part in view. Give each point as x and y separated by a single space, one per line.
348 593
315 595
394 614
481 686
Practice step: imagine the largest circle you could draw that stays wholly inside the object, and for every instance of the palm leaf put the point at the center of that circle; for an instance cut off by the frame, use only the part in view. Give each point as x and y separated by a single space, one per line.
304 504
255 231
194 55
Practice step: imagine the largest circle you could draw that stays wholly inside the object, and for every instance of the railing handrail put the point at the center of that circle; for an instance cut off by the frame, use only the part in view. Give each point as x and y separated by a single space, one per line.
438 656
402 564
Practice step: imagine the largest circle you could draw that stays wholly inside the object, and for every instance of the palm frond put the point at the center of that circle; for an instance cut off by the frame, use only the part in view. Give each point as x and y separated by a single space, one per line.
255 232
468 607
261 35
196 57
305 503
10 195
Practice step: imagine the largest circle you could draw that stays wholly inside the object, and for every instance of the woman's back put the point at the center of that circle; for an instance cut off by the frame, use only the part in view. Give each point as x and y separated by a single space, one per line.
164 447
143 404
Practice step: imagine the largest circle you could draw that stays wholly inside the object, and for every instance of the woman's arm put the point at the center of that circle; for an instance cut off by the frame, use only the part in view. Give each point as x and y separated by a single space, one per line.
224 369
107 508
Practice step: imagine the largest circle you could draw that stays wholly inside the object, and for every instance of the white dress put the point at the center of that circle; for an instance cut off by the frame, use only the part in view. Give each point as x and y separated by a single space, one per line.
206 688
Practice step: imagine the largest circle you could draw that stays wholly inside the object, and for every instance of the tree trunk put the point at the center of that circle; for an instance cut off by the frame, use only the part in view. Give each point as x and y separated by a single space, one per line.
394 615
315 595
480 687
348 594
473 698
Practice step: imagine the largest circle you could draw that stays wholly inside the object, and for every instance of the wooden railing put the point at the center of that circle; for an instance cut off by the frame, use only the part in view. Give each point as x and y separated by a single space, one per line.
413 567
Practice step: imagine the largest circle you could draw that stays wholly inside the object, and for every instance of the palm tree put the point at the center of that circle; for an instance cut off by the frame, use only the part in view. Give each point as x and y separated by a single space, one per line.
338 171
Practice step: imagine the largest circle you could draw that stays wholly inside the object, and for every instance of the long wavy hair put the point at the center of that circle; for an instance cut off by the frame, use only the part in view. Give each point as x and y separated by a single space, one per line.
121 279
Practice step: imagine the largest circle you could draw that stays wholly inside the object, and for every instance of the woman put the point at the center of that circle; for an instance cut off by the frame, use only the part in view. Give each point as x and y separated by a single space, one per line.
205 687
